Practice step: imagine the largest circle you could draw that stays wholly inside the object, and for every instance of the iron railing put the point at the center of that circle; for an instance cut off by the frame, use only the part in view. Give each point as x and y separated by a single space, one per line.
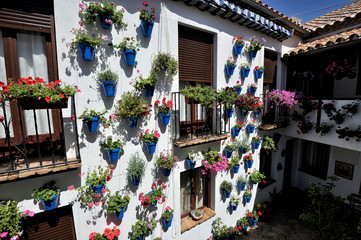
276 115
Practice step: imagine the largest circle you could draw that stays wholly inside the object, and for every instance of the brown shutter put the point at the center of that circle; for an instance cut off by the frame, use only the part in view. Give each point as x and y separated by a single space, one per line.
195 49
270 66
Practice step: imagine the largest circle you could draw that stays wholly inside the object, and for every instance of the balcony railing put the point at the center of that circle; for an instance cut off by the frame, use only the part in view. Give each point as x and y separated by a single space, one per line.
193 121
274 116
35 139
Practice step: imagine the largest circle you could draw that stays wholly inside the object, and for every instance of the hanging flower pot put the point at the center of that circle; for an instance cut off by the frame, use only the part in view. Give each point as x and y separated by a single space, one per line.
252 54
230 70
166 171
50 204
258 112
255 145
233 207
150 147
105 22
147 27
237 49
132 123
86 51
258 74
134 181
236 168
97 189
247 199
226 194
235 131
244 229
242 150
245 72
93 125
252 91
248 164
140 238
239 90
229 112
227 153
152 204
164 118
241 187
190 163
149 90
129 56
338 122
109 88
250 129
113 155
244 113
168 223
120 214
252 222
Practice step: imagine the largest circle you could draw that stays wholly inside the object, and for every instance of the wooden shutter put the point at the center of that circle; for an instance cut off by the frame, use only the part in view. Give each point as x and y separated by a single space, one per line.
270 66
34 15
195 49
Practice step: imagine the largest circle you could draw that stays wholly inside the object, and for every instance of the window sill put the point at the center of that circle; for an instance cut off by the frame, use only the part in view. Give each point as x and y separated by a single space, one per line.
188 223
197 141
267 127
312 173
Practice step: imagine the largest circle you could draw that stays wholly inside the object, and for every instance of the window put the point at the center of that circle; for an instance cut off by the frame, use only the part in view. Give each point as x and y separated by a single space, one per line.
315 158
269 83
265 166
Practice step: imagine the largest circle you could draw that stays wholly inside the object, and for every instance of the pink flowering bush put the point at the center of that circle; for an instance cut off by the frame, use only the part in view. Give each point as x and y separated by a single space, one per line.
156 195
145 14
214 162
341 68
282 98
167 159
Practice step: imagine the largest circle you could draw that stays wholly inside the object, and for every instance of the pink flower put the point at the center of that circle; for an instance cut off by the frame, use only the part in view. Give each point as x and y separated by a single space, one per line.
70 187
104 190
72 117
112 3
150 226
31 214
3 234
157 135
90 205
150 218
113 116
96 204
96 3
97 195
26 211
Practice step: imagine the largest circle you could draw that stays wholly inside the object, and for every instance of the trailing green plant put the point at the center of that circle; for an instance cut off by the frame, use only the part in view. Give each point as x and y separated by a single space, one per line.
111 144
242 180
245 65
81 35
136 167
108 75
140 83
235 200
46 192
150 136
268 144
234 161
87 116
167 160
227 96
226 186
165 61
168 213
231 62
256 176
248 192
133 106
243 222
141 228
116 202
128 43
203 95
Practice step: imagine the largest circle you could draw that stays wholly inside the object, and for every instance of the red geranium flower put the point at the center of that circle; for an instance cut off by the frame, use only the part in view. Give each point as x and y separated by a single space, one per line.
107 231
61 95
47 99
109 177
93 235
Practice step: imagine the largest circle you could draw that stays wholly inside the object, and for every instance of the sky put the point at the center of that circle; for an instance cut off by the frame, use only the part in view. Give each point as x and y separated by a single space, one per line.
306 9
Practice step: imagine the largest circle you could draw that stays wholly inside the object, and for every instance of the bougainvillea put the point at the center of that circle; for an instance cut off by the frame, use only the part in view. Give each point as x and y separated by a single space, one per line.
282 98
214 162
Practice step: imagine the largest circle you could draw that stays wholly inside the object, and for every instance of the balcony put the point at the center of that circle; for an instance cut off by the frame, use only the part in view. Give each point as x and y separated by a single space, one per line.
274 117
32 142
196 124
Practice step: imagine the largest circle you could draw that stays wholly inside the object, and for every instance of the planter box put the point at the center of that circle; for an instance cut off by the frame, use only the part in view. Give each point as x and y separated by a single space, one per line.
33 103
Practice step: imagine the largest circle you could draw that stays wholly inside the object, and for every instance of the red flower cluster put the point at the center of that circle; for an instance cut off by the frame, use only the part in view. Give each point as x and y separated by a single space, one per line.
165 107
110 234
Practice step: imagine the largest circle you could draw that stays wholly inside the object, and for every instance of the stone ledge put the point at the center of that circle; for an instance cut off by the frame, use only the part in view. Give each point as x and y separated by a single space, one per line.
188 223
268 127
197 141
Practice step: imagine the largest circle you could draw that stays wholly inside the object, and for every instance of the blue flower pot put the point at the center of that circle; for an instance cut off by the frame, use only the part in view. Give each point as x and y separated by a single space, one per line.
147 27
98 189
338 122
86 51
104 24
235 131
244 229
168 223
242 150
150 147
252 91
166 171
230 70
129 57
252 223
248 164
244 113
226 194
50 204
164 118
239 90
245 72
241 187
250 129
236 169
253 182
132 123
247 199
93 125
134 181
233 207
229 112
255 145
120 214
237 49
252 54
113 155
227 154
155 204
190 163
149 90
258 74
140 238
258 112
109 88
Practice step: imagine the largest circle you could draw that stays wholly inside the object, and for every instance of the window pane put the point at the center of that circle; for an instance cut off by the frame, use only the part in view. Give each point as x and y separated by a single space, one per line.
186 192
315 158
199 189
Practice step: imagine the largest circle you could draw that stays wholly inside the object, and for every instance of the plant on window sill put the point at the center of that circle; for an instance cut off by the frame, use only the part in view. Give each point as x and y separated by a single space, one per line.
346 133
47 194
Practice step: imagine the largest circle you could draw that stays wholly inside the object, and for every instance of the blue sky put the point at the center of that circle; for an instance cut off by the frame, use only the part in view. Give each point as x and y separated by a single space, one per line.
306 9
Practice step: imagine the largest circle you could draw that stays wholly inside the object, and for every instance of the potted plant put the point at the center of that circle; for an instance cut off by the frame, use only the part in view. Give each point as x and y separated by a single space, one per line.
226 188
48 194
132 107
150 139
256 142
338 116
91 119
112 147
243 222
203 95
248 102
248 160
245 69
231 146
305 126
253 217
247 195
147 84
108 234
324 128
166 161
214 162
106 11
251 126
258 72
136 169
117 204
164 110
155 196
238 44
129 48
257 177
351 109
308 105
238 87
109 81
328 108
230 66
227 97
241 183
167 216
165 61
234 202
282 98
244 146
252 88
268 144
38 94
233 164
147 19
193 158
254 46
142 228
237 128
85 43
